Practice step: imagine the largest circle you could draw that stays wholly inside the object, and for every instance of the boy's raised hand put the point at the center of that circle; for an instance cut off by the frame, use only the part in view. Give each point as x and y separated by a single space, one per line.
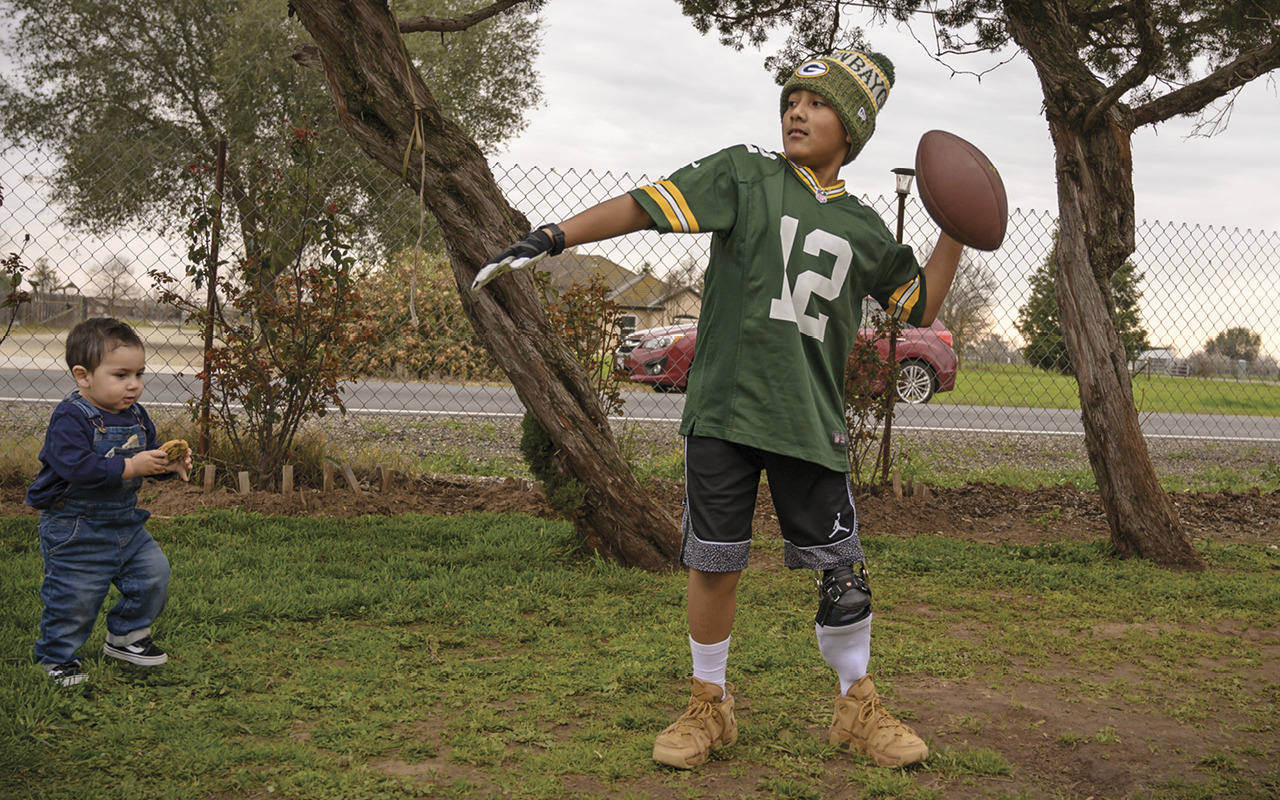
528 251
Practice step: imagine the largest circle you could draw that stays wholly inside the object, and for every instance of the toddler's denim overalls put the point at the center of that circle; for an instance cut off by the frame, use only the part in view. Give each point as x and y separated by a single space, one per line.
90 539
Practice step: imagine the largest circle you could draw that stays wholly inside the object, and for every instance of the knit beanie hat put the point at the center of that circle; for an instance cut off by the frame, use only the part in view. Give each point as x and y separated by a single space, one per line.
855 84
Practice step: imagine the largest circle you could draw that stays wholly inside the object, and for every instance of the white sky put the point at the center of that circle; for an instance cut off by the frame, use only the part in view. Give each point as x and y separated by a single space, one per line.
631 87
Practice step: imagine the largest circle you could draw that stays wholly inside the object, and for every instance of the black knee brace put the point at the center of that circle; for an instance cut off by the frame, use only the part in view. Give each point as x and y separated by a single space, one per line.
844 596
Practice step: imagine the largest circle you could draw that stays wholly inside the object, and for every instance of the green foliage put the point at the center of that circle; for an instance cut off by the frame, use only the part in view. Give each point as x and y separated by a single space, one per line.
1041 329
1235 344
442 343
561 489
586 320
43 277
284 316
125 91
867 405
1211 33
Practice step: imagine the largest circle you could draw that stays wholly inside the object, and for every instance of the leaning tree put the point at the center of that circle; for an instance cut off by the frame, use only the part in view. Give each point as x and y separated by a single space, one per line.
1106 68
387 108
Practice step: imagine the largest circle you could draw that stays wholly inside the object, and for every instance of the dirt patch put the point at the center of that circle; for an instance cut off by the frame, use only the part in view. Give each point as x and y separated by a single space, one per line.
986 513
446 496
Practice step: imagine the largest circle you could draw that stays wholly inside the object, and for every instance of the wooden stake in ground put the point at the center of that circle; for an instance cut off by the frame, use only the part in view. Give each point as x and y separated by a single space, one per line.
350 478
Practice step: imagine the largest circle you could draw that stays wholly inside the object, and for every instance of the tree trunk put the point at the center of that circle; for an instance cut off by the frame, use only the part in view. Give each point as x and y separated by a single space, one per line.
1096 234
384 105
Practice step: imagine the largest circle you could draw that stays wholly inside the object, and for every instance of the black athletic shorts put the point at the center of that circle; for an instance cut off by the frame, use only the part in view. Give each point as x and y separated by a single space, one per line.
814 505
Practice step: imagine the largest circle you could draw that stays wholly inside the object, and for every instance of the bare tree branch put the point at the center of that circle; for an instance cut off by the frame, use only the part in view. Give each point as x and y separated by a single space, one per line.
308 55
443 25
1196 96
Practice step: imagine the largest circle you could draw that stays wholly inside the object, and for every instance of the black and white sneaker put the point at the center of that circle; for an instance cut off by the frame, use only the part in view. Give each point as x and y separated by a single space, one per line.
68 674
143 652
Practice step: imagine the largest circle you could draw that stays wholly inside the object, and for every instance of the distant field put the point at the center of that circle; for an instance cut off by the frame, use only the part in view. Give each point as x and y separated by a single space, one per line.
1025 387
178 348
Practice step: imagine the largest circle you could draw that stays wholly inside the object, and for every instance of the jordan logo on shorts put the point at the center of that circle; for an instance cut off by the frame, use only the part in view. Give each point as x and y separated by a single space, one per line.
837 527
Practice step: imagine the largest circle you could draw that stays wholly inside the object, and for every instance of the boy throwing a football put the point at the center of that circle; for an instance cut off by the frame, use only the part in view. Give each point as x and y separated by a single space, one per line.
792 256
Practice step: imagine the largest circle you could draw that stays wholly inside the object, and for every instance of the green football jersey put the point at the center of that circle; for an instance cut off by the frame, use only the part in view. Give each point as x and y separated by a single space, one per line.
782 302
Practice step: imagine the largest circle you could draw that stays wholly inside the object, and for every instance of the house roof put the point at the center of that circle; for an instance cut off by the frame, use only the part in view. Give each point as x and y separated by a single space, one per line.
570 267
640 291
626 288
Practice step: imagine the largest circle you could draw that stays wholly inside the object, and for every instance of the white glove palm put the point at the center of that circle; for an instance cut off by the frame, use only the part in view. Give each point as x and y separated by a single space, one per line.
524 253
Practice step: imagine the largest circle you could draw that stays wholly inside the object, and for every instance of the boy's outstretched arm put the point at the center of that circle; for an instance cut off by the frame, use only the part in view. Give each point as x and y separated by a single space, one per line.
938 273
613 217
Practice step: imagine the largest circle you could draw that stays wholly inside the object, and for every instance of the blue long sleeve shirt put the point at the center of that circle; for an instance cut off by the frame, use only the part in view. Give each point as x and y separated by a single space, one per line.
68 458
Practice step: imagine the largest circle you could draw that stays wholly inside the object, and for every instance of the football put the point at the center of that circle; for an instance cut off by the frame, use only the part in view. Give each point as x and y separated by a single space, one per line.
961 190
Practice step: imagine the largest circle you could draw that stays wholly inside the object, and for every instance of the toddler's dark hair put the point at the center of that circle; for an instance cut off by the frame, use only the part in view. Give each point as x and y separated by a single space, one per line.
91 340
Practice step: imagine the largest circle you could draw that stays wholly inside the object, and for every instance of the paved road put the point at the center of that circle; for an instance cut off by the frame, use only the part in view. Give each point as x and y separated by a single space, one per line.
489 401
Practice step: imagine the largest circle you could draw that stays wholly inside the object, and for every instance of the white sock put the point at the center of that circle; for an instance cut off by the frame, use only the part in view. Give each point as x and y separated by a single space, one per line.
710 661
847 650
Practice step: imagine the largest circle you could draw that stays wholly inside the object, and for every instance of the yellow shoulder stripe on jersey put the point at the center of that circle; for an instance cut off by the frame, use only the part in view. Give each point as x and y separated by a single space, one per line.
673 206
903 301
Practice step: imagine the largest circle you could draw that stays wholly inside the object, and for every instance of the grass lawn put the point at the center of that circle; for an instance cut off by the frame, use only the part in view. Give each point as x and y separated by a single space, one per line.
485 656
1017 386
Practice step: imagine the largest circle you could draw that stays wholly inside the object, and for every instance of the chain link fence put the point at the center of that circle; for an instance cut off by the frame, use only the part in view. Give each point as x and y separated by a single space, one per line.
1207 322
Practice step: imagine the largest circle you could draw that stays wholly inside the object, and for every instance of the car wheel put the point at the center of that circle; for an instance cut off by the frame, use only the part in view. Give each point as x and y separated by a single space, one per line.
915 382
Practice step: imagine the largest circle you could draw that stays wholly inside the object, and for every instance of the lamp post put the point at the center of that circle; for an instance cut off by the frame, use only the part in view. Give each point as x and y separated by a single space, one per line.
902 186
902 178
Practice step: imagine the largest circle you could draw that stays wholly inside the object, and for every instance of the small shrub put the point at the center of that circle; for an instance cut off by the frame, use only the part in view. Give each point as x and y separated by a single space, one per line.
586 320
867 373
287 308
560 489
11 297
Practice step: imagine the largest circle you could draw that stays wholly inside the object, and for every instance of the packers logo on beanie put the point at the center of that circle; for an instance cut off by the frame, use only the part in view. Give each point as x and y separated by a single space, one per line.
855 84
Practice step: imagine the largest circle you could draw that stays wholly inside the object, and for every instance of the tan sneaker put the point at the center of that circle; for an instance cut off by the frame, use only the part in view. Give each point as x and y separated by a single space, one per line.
707 725
861 724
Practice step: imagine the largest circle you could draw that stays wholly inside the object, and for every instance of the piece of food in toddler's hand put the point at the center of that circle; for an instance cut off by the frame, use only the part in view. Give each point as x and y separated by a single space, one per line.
175 449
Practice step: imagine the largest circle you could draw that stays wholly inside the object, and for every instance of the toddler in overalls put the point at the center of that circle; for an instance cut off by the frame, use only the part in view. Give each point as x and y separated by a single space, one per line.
99 445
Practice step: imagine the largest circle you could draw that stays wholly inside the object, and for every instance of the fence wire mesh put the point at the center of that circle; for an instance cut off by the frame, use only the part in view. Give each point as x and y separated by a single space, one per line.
1204 362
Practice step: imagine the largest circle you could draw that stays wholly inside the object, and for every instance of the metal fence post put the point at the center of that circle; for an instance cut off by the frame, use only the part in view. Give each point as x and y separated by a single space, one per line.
206 392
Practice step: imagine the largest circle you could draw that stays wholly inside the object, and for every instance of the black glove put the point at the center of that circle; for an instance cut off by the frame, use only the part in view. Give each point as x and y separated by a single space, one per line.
547 240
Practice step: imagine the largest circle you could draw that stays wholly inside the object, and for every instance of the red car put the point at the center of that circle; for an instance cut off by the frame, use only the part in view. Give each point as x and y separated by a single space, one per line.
926 361
662 357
